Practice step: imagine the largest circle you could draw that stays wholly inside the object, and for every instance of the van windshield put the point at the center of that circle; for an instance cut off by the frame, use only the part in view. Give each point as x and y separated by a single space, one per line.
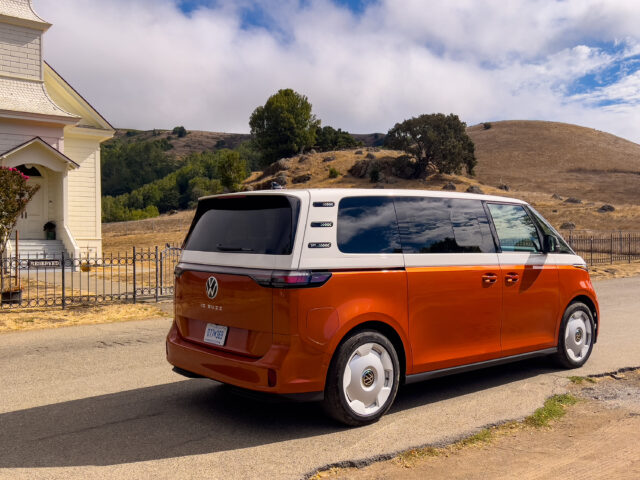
258 224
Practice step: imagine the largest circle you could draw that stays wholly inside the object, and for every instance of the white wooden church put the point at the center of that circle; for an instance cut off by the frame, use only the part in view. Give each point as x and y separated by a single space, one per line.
52 134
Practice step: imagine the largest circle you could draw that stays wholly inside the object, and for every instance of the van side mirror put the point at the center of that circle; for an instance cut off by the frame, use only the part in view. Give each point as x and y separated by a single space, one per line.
550 244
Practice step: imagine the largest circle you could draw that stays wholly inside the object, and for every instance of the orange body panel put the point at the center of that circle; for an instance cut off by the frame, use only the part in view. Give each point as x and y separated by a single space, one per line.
454 315
444 316
532 307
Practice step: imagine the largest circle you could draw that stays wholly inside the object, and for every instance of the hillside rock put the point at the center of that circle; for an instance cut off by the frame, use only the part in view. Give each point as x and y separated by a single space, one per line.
573 200
449 186
555 196
504 187
301 178
280 165
606 208
358 152
312 151
303 158
370 156
474 189
359 169
329 158
568 226
281 179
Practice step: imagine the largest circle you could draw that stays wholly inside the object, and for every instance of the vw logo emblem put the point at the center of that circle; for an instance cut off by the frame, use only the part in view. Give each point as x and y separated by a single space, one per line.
212 287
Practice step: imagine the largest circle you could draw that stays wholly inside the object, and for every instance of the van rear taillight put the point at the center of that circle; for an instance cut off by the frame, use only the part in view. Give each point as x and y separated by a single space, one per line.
296 279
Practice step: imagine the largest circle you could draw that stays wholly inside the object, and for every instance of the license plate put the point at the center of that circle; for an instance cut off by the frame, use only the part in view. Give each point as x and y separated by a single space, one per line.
215 334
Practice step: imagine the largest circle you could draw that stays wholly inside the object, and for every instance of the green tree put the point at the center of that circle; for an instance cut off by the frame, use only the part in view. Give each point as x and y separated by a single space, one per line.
284 126
435 140
231 169
128 165
15 193
328 138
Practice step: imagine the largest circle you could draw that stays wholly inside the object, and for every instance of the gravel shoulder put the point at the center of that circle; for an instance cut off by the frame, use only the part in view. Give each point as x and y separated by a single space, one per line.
597 438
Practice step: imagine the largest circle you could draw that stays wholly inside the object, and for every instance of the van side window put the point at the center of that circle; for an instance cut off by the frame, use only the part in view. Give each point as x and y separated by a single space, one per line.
367 225
515 228
443 225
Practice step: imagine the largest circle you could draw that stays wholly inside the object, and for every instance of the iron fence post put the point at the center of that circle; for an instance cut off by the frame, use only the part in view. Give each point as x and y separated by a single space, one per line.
63 281
134 274
591 250
2 263
156 274
612 248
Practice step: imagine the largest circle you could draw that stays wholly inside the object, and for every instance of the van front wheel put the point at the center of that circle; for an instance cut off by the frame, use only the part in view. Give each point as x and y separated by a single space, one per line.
577 332
363 378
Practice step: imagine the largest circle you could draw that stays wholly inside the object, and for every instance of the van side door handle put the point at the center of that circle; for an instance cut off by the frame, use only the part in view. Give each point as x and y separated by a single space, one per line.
512 277
489 278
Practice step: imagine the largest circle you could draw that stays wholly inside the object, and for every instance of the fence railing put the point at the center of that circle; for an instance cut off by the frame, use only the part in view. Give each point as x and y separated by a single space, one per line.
147 274
142 274
598 249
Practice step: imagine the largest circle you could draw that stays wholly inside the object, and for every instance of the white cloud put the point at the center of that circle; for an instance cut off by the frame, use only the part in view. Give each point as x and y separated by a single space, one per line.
145 64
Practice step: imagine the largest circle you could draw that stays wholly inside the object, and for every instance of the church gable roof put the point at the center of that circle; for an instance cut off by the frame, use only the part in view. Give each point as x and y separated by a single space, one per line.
37 142
68 98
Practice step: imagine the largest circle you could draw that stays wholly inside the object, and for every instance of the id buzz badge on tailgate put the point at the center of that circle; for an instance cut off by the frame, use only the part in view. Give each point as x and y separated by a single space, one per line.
215 334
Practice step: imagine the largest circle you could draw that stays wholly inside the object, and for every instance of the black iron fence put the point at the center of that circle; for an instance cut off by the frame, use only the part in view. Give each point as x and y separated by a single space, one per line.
142 274
598 249
147 274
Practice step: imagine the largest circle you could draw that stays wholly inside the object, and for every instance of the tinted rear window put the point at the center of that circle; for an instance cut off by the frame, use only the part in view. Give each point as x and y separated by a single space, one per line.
260 224
367 225
443 225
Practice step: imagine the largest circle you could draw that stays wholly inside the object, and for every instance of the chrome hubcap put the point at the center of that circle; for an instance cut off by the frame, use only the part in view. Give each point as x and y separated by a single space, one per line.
577 338
368 378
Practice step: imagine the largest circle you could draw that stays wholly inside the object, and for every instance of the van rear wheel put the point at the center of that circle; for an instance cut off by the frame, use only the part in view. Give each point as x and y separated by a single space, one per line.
363 378
576 336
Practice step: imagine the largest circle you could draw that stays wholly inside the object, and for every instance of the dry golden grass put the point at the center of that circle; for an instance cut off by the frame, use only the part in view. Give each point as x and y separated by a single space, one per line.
37 318
550 157
122 236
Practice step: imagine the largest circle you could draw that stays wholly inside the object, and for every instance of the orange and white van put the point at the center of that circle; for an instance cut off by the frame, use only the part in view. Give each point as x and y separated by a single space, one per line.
345 294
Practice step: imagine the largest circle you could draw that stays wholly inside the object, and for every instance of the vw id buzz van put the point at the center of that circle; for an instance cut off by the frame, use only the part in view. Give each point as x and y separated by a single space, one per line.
342 295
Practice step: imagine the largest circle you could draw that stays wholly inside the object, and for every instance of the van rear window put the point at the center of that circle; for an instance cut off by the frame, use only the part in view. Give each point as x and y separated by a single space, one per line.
258 224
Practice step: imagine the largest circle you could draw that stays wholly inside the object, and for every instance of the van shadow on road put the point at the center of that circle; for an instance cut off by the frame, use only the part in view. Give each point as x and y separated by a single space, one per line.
195 417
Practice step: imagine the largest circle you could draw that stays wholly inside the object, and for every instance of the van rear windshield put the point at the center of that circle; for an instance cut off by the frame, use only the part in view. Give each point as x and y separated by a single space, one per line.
259 224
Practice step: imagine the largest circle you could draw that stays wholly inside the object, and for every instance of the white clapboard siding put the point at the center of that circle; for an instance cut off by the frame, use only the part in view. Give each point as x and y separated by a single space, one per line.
82 193
13 134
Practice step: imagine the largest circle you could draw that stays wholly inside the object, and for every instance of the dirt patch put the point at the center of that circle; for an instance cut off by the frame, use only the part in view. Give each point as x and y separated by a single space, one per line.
597 438
33 319
614 270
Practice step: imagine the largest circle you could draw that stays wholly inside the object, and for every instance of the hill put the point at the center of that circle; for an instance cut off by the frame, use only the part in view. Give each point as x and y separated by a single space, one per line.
195 141
544 163
559 158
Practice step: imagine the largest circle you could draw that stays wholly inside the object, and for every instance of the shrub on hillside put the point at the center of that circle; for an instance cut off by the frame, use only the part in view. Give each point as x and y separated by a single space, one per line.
179 131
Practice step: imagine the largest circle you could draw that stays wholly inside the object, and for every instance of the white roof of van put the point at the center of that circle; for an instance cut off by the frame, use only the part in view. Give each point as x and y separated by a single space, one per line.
337 193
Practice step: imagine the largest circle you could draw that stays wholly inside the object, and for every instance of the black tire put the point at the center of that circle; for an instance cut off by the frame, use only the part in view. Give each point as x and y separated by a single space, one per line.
563 356
336 401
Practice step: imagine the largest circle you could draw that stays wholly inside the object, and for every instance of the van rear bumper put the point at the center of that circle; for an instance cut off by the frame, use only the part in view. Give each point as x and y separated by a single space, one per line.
293 370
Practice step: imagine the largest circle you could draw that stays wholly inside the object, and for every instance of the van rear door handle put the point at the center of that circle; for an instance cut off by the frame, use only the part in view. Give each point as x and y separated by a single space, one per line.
512 277
489 278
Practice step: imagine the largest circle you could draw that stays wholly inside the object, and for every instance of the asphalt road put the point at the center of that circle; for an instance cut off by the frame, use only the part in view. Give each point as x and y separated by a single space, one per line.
100 401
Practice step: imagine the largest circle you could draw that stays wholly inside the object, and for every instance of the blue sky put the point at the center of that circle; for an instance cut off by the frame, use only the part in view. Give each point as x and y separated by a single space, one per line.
364 64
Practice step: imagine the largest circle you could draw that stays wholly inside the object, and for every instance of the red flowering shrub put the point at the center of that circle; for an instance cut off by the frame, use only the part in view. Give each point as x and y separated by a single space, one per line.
15 193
